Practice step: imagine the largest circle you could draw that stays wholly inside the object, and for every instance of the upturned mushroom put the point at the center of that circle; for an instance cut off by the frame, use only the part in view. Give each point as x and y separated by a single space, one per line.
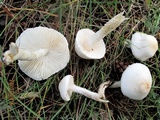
40 52
143 46
67 87
135 82
90 45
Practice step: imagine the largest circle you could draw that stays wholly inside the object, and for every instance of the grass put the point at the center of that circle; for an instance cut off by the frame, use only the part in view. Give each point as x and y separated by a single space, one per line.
68 16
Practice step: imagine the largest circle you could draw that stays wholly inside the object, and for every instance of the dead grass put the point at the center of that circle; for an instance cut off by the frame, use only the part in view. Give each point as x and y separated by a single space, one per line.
68 17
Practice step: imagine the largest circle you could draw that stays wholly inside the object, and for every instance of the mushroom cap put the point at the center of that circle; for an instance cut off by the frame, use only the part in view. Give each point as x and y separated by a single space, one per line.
55 60
84 50
136 81
143 46
65 87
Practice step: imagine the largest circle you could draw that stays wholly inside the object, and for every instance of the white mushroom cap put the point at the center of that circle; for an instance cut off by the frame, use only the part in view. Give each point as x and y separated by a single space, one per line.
136 81
143 46
65 84
83 50
56 58
90 45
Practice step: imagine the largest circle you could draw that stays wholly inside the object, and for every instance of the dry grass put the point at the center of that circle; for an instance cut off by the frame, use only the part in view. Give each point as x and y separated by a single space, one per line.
68 16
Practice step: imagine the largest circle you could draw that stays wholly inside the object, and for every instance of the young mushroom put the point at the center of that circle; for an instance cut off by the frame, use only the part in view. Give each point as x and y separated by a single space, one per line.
143 46
40 52
135 82
67 87
90 45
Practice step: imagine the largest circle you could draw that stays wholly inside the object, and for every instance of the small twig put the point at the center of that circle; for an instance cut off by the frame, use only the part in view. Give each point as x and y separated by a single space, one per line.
5 9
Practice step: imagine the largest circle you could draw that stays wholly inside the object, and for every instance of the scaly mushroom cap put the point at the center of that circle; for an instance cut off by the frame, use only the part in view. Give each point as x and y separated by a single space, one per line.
136 81
64 87
143 46
83 49
54 42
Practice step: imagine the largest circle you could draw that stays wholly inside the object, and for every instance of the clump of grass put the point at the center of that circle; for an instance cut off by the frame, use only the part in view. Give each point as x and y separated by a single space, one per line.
68 17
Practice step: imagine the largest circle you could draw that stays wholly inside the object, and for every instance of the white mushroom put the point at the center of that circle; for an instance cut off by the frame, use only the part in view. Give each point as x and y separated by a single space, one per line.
67 86
135 82
40 52
90 45
143 46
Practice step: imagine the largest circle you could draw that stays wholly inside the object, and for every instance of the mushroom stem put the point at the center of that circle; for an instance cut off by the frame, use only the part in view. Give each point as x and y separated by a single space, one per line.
102 88
15 53
27 55
88 93
116 84
127 43
107 28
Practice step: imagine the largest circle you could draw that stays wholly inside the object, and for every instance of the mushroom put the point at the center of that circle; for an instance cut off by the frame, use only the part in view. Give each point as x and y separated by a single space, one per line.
67 86
40 52
143 46
135 82
90 45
